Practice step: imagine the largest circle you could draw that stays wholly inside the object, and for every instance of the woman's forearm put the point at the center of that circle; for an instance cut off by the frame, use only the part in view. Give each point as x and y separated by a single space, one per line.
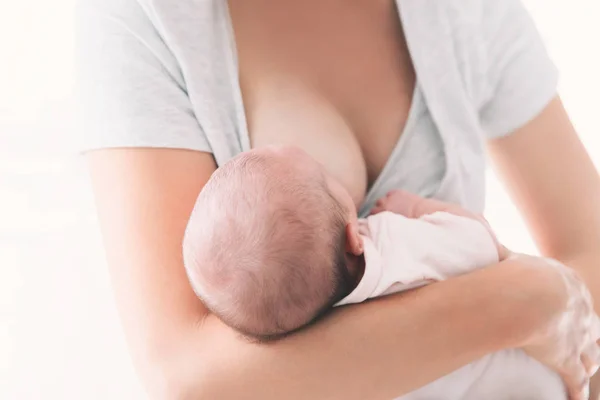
376 350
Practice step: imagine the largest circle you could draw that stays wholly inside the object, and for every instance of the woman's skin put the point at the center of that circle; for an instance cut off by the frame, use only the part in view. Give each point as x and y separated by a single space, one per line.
556 188
144 198
298 91
315 88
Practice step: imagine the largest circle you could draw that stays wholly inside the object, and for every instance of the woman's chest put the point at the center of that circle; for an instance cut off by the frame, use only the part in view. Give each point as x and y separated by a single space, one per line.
332 76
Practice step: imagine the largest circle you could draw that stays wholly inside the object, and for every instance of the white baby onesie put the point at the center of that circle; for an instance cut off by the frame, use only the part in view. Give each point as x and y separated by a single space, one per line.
403 253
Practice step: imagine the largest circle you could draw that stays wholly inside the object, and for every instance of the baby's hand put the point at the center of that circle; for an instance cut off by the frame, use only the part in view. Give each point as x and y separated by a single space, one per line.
412 206
398 202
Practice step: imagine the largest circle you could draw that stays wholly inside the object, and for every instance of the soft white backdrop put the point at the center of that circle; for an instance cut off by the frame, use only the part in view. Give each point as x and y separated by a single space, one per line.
59 332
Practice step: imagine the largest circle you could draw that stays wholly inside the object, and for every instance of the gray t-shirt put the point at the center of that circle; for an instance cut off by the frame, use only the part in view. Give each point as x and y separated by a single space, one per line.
161 73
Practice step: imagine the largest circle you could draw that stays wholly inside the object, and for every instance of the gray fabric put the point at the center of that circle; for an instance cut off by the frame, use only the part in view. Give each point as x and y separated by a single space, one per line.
158 73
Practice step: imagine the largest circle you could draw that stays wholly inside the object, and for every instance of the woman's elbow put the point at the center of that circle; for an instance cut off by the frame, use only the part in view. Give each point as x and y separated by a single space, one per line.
168 388
195 363
168 381
180 374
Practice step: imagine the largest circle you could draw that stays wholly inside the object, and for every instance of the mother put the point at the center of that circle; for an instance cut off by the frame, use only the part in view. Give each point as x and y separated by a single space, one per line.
386 95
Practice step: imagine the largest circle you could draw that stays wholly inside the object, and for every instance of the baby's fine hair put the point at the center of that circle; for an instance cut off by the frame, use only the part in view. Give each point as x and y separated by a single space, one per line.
265 246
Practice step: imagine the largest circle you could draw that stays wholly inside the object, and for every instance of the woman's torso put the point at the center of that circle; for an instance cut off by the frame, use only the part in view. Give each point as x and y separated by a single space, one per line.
164 74
335 78
325 75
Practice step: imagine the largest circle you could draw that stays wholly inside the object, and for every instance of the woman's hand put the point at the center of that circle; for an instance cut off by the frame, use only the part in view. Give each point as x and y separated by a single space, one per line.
566 338
557 190
566 342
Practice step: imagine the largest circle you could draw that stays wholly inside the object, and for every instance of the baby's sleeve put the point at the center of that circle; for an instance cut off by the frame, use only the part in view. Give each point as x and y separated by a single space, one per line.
521 78
130 90
462 244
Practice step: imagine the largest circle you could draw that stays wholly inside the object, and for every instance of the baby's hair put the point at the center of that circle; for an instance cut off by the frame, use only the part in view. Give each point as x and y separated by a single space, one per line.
265 247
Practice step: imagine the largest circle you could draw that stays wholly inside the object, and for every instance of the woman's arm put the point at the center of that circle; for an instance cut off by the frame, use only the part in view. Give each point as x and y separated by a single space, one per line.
557 189
377 350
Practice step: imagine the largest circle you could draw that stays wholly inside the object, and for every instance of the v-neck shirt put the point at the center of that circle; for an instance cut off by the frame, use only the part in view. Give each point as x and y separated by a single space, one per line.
153 73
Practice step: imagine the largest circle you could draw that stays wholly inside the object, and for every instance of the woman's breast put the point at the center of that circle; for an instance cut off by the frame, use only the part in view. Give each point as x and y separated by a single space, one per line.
333 77
290 113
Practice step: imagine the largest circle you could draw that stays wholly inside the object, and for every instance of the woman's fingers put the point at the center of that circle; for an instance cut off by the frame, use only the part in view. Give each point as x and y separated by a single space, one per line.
591 352
589 359
595 329
576 381
567 344
595 387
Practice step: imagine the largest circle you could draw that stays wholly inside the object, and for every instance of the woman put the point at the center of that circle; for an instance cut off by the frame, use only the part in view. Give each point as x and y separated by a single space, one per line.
386 95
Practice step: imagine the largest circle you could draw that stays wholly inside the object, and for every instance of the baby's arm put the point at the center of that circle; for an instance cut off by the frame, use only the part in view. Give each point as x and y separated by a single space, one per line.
412 206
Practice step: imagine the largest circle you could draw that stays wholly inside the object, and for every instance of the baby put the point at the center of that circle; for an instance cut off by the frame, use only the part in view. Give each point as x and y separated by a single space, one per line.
274 242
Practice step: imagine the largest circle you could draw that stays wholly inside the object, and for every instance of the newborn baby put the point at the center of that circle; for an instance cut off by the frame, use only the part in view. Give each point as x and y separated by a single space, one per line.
274 242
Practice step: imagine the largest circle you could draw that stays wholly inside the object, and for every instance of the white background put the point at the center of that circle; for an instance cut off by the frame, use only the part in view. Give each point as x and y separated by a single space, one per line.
59 333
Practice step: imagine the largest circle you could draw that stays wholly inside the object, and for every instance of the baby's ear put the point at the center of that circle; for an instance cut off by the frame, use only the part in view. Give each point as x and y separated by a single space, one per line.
354 242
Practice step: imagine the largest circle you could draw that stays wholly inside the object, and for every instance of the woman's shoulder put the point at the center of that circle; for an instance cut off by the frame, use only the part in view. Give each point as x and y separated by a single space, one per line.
477 20
477 28
161 18
499 53
125 21
473 11
132 90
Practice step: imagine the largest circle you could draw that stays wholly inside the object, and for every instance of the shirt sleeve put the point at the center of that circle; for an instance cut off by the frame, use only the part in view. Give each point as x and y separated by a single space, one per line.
521 77
130 91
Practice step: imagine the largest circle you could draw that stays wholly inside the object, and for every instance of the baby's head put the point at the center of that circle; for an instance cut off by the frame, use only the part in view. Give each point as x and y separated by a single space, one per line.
267 244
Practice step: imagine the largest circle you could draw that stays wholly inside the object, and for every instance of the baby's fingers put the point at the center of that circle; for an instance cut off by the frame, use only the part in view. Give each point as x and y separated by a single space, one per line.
376 210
